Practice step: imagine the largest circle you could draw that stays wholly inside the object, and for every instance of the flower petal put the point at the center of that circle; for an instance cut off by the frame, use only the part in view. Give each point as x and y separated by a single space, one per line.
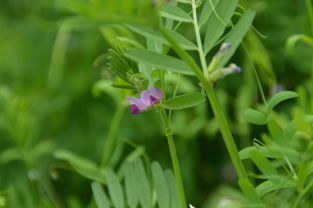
137 102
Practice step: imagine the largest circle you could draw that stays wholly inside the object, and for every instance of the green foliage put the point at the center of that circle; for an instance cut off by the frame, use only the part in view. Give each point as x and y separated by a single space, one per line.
184 101
138 187
50 123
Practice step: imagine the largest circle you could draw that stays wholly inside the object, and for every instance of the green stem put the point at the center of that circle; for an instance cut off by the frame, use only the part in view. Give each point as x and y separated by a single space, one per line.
198 38
256 76
110 141
171 144
307 188
310 13
207 85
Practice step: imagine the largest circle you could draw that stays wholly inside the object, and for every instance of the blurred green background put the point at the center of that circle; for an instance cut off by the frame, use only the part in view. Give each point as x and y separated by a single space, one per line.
46 100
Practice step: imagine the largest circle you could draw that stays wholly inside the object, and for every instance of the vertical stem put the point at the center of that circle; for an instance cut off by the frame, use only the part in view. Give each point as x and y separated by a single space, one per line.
256 76
310 12
171 144
109 143
224 128
198 38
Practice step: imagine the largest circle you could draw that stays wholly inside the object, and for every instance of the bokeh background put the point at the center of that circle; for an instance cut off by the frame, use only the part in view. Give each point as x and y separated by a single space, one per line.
47 101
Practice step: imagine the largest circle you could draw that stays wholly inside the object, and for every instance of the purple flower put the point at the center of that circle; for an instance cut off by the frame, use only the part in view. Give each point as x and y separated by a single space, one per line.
148 98
151 96
136 105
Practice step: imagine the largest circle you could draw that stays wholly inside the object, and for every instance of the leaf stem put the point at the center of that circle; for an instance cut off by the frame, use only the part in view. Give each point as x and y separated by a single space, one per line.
256 76
171 144
198 38
109 143
207 85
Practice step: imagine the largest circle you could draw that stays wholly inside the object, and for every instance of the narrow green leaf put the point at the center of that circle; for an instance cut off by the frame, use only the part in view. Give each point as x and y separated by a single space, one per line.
249 191
115 189
265 151
269 186
100 197
255 117
143 185
303 173
156 36
237 34
263 164
82 165
175 202
130 185
280 97
160 185
276 132
185 101
175 13
218 21
207 11
160 61
184 1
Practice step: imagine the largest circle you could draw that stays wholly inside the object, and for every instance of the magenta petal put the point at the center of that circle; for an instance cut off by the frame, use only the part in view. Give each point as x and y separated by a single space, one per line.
137 102
151 96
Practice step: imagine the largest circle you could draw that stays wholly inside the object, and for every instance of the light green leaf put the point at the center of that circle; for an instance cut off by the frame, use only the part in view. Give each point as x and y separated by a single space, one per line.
265 151
105 86
207 11
294 39
82 165
237 34
303 173
143 185
218 21
185 101
160 61
100 197
276 132
280 97
263 164
115 189
156 36
269 186
249 191
160 185
255 117
130 185
175 202
184 1
175 13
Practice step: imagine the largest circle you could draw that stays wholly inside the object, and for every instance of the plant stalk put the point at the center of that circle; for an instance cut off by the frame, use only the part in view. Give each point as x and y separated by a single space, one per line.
171 144
198 38
207 85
